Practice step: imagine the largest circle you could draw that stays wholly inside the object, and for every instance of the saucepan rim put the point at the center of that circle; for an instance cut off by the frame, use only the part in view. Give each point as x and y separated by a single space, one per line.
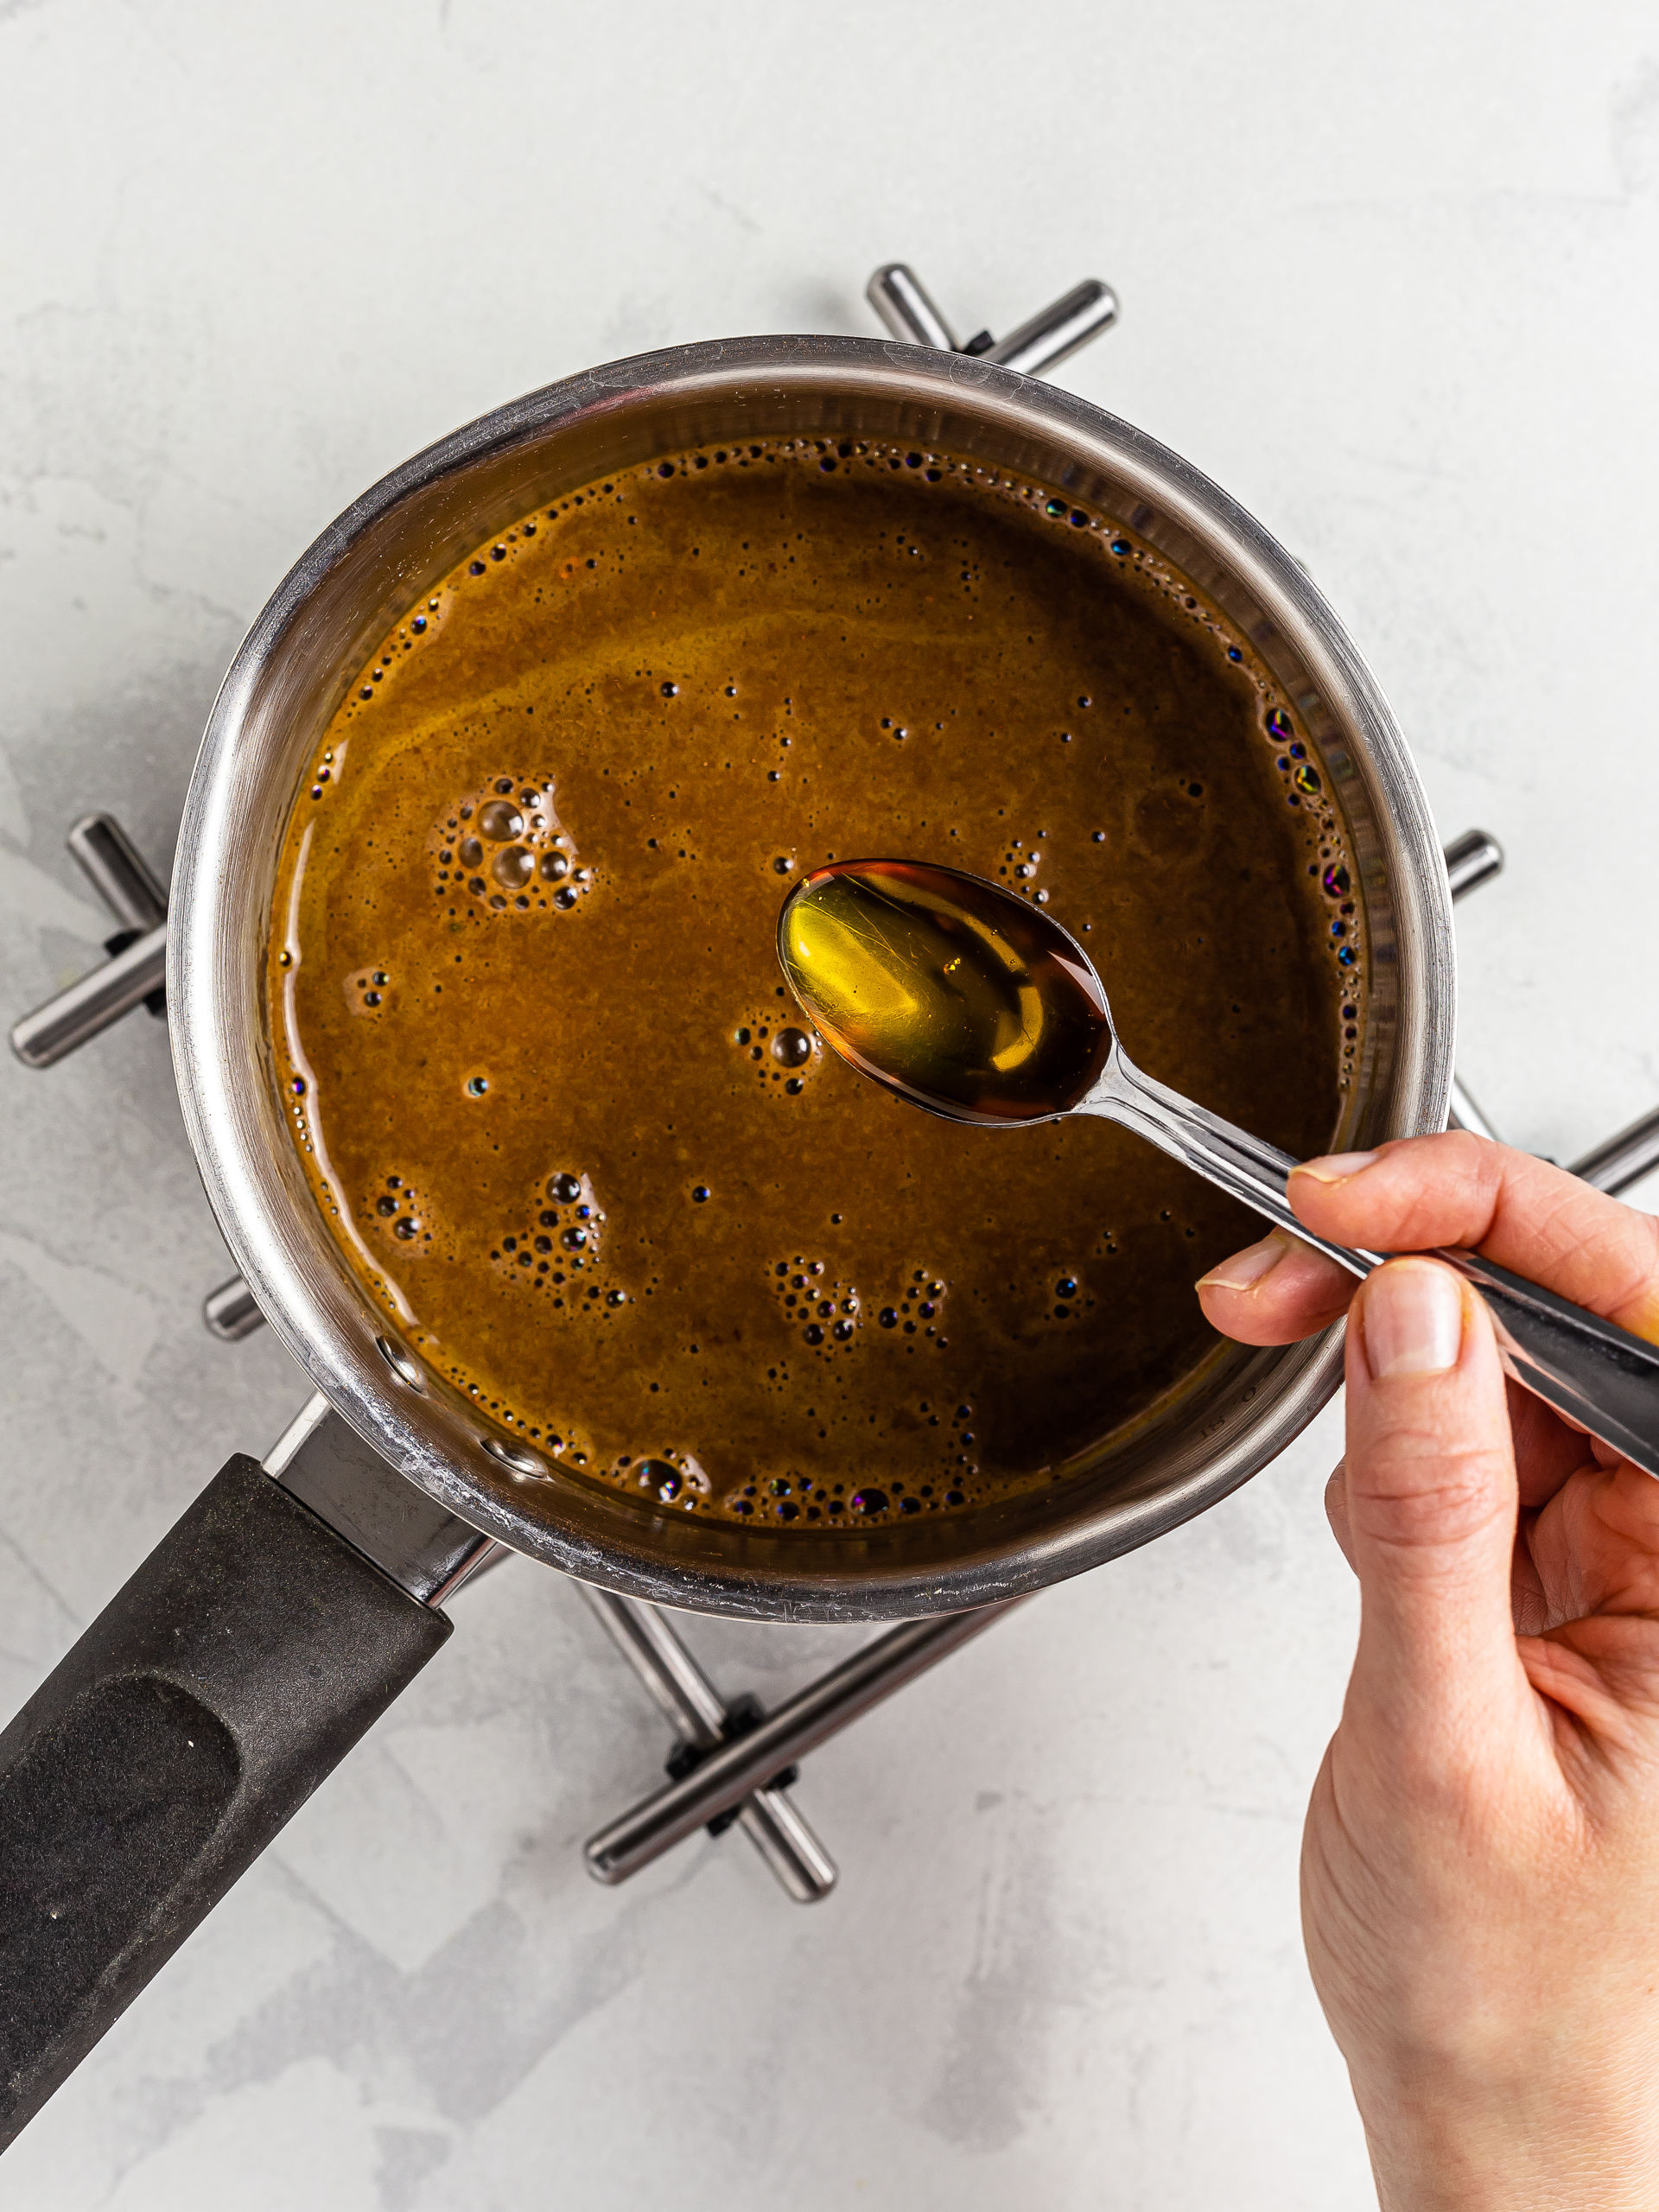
225 1090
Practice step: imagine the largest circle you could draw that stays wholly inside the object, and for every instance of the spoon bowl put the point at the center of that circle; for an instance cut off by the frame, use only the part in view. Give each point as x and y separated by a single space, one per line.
961 998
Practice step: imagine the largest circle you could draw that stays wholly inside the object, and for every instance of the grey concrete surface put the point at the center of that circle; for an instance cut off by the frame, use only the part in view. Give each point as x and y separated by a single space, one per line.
1387 273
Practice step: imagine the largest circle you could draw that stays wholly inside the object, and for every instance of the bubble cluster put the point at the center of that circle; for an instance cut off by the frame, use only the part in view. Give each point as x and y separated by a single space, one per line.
367 990
501 847
395 1210
551 1248
1018 869
674 1478
797 1496
782 1054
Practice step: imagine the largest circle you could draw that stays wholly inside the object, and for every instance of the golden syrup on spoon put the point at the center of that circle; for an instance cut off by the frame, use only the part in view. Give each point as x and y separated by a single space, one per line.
947 988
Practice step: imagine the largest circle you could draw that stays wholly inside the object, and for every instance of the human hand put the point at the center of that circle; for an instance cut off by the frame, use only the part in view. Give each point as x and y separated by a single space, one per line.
1480 1866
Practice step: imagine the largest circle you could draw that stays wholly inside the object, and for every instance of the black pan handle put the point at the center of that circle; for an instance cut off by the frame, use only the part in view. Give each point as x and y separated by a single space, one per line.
245 1657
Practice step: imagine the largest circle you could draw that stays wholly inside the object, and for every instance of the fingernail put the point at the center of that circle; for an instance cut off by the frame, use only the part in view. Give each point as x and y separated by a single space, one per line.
1247 1267
1413 1320
1337 1166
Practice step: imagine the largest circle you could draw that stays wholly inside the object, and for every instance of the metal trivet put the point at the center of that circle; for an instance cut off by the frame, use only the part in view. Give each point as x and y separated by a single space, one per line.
733 1763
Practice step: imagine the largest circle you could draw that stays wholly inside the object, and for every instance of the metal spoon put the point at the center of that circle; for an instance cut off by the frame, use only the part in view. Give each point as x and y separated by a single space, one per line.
975 1004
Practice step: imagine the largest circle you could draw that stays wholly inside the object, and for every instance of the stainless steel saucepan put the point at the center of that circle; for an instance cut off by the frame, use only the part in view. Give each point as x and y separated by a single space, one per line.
280 1616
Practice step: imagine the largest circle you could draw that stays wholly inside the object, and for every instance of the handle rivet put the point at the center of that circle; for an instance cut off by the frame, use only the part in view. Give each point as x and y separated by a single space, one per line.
403 1365
529 1466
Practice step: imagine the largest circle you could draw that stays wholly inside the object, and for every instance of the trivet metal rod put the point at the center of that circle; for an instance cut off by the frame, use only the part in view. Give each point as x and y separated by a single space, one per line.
1472 859
231 1313
1463 1113
53 1030
912 313
695 1709
683 1694
1623 1159
136 968
822 1710
908 309
118 871
1053 335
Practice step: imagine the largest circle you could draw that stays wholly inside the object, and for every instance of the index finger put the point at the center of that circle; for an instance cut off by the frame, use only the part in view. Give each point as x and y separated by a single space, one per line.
1462 1191
1417 1193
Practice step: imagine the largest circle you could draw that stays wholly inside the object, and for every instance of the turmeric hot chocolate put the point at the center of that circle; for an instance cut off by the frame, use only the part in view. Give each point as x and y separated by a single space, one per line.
542 1073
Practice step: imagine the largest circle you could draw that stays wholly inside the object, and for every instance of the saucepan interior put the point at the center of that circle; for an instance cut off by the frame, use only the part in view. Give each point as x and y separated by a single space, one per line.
290 676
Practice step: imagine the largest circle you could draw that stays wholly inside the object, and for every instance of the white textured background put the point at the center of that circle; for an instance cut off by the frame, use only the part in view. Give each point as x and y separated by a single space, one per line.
1389 273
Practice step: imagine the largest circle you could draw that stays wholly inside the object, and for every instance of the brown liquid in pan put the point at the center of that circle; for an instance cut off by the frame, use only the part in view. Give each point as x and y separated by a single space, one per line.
540 1063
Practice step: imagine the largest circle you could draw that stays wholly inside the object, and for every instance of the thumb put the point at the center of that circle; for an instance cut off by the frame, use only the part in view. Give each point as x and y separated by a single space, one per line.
1432 1504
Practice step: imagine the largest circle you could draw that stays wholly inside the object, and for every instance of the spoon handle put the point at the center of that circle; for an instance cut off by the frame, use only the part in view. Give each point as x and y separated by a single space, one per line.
1596 1373
1238 1163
